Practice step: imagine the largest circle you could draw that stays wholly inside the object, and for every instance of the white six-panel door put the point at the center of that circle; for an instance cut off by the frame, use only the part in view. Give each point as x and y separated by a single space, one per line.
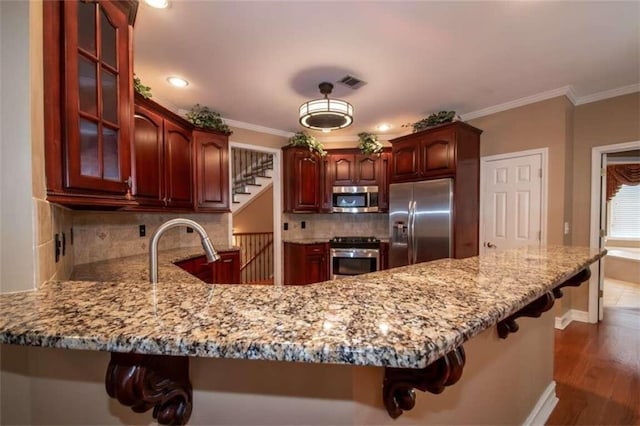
511 202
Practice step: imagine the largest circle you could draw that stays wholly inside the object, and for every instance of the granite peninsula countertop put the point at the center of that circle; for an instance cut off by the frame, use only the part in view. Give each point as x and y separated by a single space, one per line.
136 268
403 317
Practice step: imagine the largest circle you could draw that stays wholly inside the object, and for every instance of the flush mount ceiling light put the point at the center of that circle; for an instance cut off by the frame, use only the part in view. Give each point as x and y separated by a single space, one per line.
177 81
326 114
383 127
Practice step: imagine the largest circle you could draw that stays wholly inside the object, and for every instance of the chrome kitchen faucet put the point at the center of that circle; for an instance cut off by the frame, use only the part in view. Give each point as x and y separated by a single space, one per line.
212 254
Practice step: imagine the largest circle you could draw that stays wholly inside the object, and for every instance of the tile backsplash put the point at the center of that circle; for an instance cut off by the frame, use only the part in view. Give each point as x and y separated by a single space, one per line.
326 226
107 235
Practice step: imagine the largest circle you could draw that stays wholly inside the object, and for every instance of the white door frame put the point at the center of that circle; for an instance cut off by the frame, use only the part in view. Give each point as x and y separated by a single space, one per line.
594 232
544 190
277 204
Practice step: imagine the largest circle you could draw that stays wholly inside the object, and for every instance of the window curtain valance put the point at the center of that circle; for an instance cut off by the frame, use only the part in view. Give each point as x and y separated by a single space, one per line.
621 174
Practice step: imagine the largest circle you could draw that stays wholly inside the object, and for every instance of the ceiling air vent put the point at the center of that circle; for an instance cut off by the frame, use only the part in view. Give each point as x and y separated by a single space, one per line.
351 81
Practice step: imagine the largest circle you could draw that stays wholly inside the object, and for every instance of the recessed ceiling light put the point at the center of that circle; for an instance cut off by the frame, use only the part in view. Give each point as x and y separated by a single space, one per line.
158 4
383 127
178 82
326 130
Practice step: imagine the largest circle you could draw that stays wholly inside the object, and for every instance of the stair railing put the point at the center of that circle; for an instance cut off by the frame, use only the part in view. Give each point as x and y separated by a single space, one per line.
247 165
256 256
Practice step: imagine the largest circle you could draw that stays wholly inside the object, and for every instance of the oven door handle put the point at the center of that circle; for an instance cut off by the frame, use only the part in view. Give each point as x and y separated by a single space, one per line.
357 253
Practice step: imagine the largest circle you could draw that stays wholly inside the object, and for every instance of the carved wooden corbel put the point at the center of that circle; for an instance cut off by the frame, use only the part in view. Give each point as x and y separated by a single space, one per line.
152 381
533 310
541 304
574 281
399 383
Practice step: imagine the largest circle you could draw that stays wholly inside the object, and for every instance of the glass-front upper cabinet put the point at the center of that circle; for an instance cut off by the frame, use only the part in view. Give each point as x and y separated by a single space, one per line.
98 110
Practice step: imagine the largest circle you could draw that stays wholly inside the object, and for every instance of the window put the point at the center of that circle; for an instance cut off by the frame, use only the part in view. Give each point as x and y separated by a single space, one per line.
624 218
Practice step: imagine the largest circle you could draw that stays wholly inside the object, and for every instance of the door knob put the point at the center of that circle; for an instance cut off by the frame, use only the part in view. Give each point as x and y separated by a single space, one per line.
491 245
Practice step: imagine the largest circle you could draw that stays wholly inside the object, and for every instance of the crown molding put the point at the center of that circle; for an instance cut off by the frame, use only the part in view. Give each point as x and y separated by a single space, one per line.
258 128
549 94
567 91
606 94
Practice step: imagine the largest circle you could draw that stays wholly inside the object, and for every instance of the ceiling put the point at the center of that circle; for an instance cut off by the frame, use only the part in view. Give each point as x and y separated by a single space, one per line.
257 62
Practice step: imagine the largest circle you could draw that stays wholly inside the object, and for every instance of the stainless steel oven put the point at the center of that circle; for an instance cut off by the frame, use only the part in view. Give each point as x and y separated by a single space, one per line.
353 256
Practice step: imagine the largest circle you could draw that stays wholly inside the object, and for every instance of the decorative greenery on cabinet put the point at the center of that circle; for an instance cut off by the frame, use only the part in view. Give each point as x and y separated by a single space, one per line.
369 143
304 139
205 118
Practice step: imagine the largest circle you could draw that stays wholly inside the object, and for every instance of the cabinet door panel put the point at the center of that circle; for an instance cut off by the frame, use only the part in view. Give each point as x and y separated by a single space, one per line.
367 170
314 269
98 93
227 268
177 149
342 169
438 157
212 171
148 152
405 161
306 181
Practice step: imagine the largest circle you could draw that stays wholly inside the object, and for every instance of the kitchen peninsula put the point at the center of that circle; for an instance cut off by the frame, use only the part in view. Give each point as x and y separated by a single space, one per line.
392 323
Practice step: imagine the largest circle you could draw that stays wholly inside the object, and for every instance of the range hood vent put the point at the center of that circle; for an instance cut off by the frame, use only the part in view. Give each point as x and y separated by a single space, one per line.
352 82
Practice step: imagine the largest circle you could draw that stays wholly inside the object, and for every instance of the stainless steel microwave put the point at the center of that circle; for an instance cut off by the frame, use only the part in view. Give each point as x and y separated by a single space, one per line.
355 199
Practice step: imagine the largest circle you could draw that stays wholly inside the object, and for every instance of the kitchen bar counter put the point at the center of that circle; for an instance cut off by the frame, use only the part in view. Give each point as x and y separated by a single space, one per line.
405 317
136 268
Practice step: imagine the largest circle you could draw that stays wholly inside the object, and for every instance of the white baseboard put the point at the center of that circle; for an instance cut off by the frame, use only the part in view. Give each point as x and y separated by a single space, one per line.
571 315
544 407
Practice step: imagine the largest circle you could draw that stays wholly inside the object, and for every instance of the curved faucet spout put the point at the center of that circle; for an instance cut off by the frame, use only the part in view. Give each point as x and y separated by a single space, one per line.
212 254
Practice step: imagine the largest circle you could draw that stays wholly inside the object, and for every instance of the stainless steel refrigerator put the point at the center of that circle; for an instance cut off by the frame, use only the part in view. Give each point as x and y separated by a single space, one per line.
420 221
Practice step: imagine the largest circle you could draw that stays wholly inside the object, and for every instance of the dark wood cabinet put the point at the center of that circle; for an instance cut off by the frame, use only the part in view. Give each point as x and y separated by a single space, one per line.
148 157
349 167
306 263
211 171
431 153
303 180
177 165
162 158
450 150
226 270
88 98
384 256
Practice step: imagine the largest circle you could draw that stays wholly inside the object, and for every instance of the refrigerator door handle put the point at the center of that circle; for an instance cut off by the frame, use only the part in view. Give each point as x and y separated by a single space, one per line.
409 234
414 243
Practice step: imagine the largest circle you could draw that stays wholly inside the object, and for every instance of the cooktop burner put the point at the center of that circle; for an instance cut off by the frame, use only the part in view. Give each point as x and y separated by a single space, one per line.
356 242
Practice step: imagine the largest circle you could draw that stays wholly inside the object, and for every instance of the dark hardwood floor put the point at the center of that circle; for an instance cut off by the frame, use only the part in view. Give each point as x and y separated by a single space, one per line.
597 371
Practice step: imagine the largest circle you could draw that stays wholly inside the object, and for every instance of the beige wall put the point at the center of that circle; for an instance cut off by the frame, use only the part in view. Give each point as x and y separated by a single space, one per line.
539 125
607 122
257 138
256 216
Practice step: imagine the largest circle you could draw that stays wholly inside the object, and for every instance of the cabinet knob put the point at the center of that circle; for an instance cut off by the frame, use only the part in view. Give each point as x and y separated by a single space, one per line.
129 182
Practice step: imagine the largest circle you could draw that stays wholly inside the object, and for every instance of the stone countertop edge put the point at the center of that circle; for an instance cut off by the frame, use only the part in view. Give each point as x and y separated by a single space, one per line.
405 317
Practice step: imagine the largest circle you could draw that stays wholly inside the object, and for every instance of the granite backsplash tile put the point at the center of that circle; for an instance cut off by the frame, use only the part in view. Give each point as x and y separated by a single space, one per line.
326 226
107 235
